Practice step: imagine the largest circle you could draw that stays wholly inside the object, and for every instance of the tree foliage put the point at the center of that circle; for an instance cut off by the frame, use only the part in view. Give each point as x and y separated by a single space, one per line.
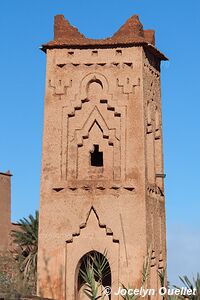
26 240
96 268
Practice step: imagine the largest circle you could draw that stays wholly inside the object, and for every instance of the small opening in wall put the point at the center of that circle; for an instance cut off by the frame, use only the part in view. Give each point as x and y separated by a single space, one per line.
94 53
96 157
61 65
118 52
70 53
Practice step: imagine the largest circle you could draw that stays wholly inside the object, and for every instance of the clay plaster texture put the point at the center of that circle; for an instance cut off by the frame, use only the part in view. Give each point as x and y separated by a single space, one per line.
102 162
5 210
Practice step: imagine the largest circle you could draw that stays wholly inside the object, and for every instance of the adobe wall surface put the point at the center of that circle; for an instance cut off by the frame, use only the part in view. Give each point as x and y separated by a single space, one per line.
5 210
100 96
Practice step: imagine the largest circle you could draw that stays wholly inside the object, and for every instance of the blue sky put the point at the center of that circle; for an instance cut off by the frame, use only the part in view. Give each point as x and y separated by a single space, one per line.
25 25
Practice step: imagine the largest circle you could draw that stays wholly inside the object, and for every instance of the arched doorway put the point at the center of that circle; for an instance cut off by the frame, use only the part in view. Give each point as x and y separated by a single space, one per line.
94 274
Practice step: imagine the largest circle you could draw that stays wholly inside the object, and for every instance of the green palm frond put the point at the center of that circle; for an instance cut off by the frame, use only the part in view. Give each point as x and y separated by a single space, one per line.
146 267
95 269
193 285
101 266
127 296
162 276
91 287
26 238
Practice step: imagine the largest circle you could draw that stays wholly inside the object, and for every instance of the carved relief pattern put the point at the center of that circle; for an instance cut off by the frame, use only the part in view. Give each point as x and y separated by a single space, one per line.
157 230
153 126
152 90
108 231
128 84
60 85
92 119
89 118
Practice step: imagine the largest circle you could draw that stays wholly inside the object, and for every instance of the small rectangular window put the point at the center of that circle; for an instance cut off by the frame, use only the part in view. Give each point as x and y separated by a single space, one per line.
96 157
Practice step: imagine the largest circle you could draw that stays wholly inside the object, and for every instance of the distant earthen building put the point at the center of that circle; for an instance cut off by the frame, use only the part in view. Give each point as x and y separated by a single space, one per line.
5 210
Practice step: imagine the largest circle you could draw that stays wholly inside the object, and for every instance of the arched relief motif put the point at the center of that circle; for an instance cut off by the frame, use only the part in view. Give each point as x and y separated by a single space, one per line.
80 284
93 215
105 96
94 90
92 235
98 122
82 96
93 77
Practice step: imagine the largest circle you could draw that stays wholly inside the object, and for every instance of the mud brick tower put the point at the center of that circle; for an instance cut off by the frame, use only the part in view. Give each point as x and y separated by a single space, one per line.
5 210
102 164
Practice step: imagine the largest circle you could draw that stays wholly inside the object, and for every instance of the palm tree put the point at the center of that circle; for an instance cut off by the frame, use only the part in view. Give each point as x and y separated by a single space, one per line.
195 284
26 238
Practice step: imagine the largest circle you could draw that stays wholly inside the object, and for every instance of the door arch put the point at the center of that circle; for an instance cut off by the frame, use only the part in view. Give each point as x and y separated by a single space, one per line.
92 260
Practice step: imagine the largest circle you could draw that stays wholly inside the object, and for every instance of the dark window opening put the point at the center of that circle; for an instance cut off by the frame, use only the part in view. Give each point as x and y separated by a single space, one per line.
96 157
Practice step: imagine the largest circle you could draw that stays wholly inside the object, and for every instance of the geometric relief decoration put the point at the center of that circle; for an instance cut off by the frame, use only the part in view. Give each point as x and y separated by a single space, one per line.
93 127
153 107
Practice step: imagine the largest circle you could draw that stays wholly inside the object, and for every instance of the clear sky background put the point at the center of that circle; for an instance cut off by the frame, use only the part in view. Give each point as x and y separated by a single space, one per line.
25 25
